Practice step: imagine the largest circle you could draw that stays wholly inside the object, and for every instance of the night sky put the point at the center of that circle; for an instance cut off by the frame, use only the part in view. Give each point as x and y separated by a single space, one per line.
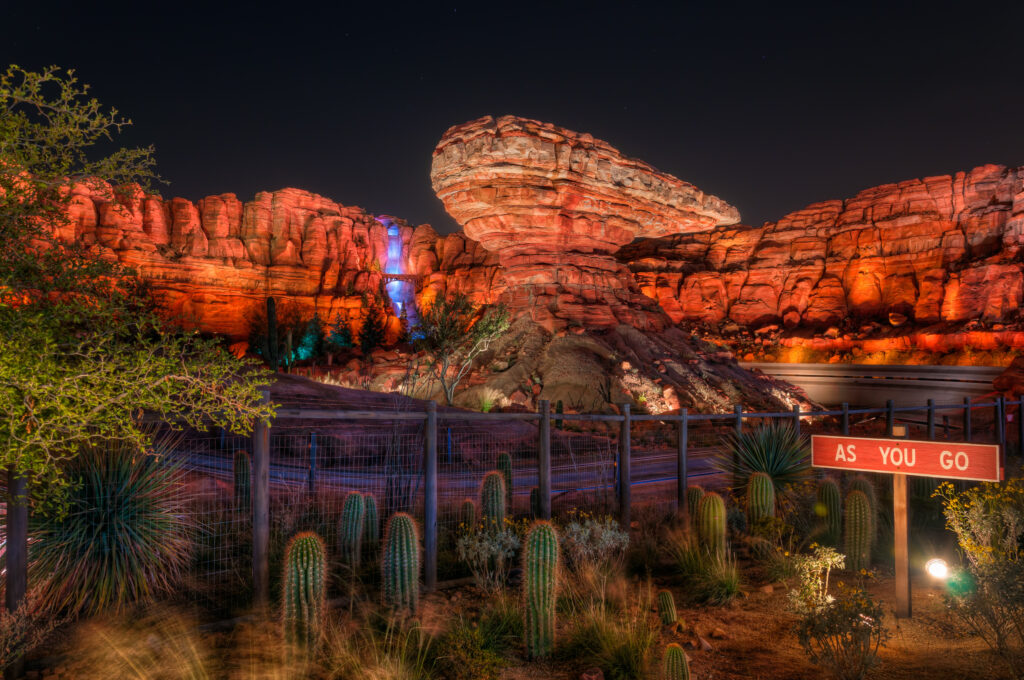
771 109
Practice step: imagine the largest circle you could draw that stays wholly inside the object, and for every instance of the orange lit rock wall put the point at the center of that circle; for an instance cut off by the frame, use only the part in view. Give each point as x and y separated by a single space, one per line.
939 249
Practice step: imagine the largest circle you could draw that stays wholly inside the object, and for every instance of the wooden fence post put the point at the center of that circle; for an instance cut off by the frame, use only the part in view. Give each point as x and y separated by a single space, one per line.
430 497
796 419
544 459
16 551
261 508
312 463
737 409
682 507
931 420
625 481
846 419
901 523
1001 421
890 417
967 419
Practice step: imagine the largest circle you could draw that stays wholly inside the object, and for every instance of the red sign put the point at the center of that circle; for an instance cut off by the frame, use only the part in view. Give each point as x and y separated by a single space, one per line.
946 460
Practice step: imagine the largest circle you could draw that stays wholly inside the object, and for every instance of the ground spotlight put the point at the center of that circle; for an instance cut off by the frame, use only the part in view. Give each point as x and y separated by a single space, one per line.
937 568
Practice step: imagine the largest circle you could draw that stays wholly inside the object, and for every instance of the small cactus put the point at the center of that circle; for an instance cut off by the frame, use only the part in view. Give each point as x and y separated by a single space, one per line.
350 529
693 495
829 507
243 481
467 514
505 468
535 502
540 574
760 498
400 564
864 485
371 535
667 607
858 531
305 589
674 665
711 523
492 498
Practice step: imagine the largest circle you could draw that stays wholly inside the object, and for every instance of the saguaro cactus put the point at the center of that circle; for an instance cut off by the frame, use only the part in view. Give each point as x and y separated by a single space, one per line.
305 589
693 495
400 564
667 607
350 530
243 481
711 523
371 535
535 502
540 569
467 514
674 665
865 486
505 468
760 498
829 508
492 498
858 531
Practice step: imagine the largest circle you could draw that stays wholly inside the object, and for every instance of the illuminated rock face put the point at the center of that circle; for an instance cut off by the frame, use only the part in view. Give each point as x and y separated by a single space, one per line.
554 205
939 249
212 264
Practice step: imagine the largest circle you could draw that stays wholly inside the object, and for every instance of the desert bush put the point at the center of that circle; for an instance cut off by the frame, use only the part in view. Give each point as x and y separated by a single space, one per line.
710 577
489 552
124 537
501 624
379 648
776 449
841 633
463 654
24 629
988 595
620 645
588 540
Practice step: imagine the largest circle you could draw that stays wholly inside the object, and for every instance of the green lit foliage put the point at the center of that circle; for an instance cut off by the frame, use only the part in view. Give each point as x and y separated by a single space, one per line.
371 334
310 343
82 349
453 332
340 335
124 538
775 449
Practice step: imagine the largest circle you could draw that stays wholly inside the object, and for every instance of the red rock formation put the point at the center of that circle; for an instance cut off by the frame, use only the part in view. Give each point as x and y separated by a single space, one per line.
212 263
941 249
554 204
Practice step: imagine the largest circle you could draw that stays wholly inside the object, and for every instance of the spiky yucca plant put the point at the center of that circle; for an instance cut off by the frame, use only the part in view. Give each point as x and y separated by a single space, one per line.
124 538
774 449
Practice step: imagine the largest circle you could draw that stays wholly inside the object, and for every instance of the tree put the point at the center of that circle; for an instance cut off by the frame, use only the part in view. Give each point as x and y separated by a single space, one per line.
83 351
453 332
340 336
371 335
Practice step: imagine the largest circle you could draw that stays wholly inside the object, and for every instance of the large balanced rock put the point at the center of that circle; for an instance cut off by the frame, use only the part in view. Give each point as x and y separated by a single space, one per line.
554 205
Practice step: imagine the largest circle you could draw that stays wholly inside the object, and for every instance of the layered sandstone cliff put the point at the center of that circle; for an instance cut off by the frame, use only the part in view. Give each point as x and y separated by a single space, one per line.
939 249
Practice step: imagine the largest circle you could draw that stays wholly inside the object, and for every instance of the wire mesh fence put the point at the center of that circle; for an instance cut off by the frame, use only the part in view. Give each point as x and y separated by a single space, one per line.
319 454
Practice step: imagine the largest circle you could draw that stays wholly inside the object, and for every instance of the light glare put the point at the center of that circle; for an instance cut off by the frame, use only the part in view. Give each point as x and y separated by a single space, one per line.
937 568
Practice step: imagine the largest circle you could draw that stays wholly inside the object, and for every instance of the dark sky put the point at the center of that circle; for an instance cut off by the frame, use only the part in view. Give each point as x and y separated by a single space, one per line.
770 108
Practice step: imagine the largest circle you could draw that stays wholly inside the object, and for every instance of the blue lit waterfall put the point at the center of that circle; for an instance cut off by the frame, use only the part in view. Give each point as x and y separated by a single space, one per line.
402 293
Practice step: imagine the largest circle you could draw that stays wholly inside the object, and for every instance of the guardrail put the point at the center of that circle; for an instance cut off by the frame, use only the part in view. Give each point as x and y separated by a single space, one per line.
872 385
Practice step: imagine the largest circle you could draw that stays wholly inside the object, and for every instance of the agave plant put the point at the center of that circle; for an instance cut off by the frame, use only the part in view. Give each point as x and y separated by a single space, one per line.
123 538
775 449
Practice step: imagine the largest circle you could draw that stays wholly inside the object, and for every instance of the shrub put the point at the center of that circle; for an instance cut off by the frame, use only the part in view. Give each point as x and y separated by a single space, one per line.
841 633
587 540
988 595
710 577
463 655
24 629
489 552
775 449
619 645
125 536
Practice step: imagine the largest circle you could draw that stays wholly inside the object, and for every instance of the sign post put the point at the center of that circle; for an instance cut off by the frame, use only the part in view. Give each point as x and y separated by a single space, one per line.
900 458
